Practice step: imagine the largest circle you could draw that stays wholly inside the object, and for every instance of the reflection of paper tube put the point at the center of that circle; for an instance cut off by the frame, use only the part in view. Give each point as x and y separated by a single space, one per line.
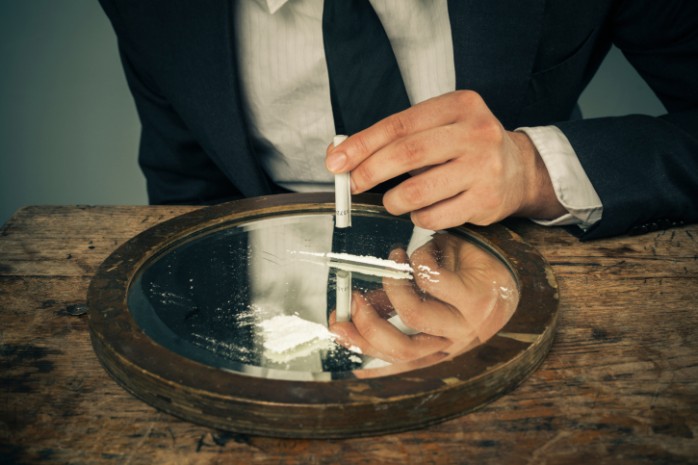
420 236
343 296
342 194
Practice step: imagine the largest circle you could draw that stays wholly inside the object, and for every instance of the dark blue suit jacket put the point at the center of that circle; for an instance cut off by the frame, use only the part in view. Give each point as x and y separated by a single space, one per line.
530 60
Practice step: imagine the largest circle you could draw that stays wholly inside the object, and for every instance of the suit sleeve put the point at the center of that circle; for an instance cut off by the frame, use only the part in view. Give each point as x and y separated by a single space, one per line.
645 169
176 167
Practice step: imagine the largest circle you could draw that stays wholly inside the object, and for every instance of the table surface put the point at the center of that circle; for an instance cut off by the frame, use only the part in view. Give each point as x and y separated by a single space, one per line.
620 384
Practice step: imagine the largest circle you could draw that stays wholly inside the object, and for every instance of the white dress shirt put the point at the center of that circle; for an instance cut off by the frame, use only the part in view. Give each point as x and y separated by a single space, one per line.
286 91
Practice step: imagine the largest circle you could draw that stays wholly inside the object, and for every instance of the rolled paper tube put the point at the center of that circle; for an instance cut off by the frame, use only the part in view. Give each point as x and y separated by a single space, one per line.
343 296
342 193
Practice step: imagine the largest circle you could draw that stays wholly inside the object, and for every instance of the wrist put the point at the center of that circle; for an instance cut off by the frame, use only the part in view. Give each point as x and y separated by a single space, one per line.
538 198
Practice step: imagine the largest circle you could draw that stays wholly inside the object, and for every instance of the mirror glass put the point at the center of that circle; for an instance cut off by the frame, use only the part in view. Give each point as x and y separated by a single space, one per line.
292 297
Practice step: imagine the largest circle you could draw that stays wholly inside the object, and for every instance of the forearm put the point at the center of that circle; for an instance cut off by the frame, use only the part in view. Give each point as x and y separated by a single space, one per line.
644 169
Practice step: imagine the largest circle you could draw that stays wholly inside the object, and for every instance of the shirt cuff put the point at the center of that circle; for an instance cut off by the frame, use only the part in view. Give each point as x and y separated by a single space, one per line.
570 182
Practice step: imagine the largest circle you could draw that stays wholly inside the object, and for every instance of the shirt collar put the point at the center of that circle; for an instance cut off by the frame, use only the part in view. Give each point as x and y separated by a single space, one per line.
272 6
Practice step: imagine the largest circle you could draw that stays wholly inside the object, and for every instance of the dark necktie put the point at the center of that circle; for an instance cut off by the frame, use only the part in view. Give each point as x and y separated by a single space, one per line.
365 81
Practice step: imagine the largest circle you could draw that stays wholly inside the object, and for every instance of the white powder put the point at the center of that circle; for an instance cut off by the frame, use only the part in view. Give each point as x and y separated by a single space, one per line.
290 337
285 333
220 347
370 260
365 264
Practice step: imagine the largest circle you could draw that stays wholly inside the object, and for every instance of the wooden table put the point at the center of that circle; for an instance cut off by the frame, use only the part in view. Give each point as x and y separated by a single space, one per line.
620 384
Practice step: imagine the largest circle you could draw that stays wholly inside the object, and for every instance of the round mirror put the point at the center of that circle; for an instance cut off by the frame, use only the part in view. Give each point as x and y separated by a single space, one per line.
261 316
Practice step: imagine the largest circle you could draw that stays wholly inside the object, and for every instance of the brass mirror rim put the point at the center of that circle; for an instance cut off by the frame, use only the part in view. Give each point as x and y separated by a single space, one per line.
340 408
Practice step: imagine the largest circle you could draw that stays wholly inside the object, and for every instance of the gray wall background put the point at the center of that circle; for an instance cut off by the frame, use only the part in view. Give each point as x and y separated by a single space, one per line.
68 126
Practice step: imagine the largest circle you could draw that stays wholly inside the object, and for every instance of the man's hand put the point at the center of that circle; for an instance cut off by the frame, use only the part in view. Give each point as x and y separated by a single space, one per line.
466 168
461 296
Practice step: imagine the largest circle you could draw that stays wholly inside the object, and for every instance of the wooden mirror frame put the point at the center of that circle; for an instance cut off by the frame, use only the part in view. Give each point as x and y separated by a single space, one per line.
315 409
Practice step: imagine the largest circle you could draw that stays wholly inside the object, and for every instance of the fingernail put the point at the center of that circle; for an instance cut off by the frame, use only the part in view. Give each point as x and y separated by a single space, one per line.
336 162
354 305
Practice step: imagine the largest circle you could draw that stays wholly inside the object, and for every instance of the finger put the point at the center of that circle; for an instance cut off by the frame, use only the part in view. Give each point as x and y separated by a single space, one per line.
465 207
348 336
470 142
429 264
471 279
426 315
438 111
438 272
380 302
390 341
468 287
476 141
432 185
412 153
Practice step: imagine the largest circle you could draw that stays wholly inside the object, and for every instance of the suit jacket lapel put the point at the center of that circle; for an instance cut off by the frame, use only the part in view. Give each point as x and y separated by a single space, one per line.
206 88
494 46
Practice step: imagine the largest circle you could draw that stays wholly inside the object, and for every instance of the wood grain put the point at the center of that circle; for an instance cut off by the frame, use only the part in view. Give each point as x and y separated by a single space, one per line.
620 384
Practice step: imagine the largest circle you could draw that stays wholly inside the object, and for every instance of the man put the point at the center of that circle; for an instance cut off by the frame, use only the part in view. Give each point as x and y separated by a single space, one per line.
221 120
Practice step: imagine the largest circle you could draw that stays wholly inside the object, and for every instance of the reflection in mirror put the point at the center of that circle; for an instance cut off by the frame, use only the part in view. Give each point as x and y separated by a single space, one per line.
293 298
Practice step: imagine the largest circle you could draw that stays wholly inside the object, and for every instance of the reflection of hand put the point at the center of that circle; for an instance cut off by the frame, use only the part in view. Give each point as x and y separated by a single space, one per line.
467 168
461 297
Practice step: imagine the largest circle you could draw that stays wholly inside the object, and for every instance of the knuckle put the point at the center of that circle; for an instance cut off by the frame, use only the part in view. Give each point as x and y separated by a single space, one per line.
363 177
411 152
469 97
496 168
362 148
490 201
482 221
413 192
398 125
368 332
408 353
490 130
410 317
425 219
401 353
390 204
363 322
492 209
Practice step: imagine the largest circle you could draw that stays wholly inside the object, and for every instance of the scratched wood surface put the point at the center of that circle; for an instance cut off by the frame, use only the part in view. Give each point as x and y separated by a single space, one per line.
620 384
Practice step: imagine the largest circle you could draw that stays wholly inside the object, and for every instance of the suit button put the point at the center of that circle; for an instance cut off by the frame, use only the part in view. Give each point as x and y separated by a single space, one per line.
662 223
637 230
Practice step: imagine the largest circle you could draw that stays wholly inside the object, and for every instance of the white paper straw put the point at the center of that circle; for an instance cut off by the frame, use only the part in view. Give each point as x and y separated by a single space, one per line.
342 193
343 296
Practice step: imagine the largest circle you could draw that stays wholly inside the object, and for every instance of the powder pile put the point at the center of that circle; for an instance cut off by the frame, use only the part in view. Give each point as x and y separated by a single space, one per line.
290 333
